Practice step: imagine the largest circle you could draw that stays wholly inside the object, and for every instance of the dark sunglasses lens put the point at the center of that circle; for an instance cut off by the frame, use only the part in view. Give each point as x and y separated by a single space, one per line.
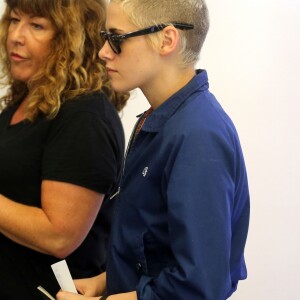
114 44
103 35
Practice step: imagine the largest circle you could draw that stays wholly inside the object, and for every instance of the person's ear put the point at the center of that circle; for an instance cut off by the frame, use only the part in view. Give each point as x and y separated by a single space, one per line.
170 40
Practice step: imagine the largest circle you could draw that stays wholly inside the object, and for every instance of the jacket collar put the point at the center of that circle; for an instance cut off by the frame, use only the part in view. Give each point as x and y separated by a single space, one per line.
159 116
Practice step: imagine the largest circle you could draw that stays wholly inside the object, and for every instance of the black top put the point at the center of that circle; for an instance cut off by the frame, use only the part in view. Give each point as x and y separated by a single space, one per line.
83 145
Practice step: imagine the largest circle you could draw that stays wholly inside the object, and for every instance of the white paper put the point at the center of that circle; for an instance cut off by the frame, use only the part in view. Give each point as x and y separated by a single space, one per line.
63 276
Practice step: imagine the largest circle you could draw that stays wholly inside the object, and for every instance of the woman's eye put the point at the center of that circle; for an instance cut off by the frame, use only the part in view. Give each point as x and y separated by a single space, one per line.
14 20
37 26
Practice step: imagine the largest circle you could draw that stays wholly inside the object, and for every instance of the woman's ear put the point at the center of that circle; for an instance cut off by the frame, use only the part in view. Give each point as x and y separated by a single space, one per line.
170 40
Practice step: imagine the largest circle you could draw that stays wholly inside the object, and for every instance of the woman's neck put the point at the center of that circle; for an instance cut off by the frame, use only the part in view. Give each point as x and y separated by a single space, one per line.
167 85
19 114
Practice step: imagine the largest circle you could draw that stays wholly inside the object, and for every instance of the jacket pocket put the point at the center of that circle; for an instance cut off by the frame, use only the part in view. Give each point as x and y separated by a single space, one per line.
153 256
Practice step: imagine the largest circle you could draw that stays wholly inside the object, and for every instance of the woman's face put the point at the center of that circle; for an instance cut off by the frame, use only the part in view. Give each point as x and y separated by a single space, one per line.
28 44
136 66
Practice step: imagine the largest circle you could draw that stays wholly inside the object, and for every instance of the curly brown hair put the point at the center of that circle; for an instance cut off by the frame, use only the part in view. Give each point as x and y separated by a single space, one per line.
73 67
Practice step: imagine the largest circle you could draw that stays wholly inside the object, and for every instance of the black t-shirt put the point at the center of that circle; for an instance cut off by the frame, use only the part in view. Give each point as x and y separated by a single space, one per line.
82 145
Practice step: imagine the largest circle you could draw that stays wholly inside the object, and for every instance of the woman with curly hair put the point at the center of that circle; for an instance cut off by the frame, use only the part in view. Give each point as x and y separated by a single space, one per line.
61 143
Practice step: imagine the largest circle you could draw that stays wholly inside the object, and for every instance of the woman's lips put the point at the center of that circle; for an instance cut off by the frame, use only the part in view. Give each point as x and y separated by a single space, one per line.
17 57
110 70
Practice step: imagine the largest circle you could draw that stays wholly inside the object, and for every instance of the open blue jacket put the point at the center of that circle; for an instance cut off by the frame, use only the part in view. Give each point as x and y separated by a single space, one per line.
182 215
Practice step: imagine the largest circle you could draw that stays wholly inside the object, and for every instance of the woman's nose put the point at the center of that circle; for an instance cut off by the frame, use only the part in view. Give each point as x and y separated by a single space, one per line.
17 34
105 53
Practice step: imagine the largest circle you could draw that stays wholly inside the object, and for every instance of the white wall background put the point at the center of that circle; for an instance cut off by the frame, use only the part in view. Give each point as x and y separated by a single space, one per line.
252 55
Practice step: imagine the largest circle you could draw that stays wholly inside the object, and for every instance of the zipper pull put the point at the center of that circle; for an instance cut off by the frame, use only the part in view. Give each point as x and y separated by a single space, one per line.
115 194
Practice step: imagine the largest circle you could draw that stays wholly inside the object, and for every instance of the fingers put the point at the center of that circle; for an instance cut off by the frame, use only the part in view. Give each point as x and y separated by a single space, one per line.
61 295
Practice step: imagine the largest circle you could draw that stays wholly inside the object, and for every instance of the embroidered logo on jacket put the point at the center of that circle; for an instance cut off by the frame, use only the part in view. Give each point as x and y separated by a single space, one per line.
145 171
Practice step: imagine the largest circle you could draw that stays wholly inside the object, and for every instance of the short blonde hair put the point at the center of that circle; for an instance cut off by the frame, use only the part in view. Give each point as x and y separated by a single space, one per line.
145 13
73 67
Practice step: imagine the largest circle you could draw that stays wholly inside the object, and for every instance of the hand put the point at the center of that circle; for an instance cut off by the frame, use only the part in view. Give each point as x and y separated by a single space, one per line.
94 286
70 296
61 295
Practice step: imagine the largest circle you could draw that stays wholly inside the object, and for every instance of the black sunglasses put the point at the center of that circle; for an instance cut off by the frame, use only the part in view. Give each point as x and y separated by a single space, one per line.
115 40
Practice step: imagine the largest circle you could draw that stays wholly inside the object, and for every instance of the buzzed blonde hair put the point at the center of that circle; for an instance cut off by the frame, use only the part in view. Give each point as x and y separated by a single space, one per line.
145 13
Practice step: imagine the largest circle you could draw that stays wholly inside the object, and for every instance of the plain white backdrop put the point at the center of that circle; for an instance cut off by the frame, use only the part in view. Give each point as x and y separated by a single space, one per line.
252 55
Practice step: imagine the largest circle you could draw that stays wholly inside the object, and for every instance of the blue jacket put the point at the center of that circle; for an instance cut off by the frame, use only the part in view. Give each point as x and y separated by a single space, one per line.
182 215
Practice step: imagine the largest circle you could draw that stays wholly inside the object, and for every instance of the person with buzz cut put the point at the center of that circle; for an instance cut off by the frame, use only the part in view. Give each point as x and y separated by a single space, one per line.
182 214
